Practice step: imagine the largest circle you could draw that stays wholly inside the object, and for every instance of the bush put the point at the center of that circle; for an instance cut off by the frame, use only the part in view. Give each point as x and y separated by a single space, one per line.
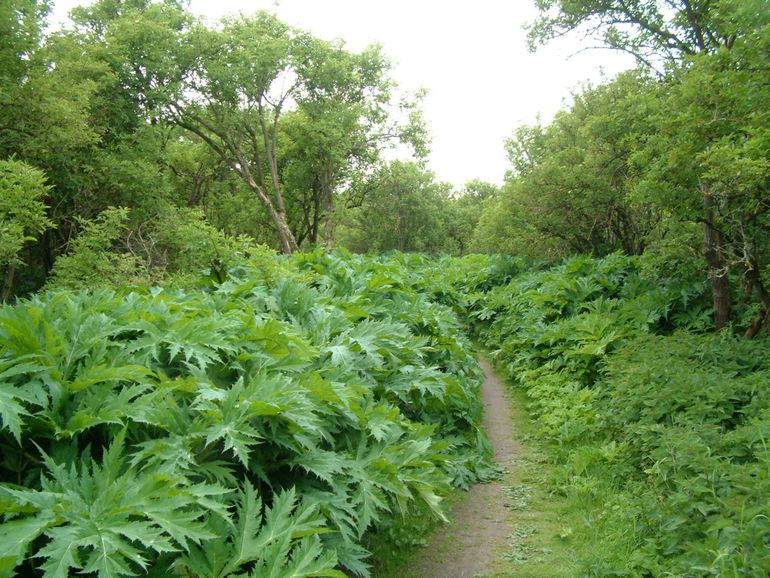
174 248
225 431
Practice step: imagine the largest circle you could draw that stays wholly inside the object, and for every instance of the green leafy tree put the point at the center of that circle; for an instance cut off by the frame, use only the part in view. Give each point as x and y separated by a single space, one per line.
46 86
572 181
22 215
242 77
21 25
464 211
341 124
291 115
648 29
81 116
705 163
711 154
404 209
505 227
21 31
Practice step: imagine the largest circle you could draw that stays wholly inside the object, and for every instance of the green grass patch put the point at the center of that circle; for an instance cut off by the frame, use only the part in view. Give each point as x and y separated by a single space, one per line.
545 526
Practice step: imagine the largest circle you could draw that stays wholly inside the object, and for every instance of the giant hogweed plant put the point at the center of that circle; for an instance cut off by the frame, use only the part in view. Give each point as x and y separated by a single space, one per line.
246 431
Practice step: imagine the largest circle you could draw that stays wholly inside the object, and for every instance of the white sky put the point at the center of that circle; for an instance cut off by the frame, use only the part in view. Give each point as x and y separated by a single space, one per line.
471 56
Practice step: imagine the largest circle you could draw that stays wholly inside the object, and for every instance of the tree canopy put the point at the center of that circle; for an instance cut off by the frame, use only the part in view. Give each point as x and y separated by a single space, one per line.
634 163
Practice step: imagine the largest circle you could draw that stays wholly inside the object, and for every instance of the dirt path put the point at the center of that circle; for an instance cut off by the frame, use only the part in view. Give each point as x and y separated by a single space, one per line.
473 544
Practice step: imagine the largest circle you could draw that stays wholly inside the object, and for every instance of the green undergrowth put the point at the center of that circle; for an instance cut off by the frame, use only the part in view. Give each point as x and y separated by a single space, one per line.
262 426
545 529
290 418
658 428
409 535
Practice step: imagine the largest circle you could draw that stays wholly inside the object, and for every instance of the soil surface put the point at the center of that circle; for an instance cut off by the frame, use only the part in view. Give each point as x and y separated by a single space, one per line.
473 543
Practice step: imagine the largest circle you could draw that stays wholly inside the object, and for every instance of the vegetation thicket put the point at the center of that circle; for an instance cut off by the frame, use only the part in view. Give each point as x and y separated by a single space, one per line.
670 158
252 132
658 426
259 426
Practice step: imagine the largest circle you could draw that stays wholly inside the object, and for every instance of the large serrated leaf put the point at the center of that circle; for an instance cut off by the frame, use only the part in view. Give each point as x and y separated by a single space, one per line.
16 536
103 373
11 411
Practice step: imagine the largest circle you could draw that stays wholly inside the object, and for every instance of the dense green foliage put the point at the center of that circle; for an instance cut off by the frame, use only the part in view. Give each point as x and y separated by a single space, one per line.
139 104
257 415
659 427
290 416
405 209
258 427
22 215
641 162
174 249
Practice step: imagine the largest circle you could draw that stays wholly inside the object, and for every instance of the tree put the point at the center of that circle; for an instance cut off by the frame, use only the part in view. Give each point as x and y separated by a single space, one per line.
648 29
21 29
239 80
572 181
256 82
77 114
405 209
464 211
22 215
238 84
712 152
340 127
706 163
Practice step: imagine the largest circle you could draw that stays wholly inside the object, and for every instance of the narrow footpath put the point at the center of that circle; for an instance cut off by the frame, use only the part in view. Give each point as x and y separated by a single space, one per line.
474 543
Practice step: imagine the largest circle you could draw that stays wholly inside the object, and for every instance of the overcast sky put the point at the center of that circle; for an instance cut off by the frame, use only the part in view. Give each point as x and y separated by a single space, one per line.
471 56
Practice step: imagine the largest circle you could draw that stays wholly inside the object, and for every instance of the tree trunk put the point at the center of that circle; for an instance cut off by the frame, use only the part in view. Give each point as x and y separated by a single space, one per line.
229 150
759 321
714 252
327 188
329 224
316 221
10 273
288 241
277 211
754 281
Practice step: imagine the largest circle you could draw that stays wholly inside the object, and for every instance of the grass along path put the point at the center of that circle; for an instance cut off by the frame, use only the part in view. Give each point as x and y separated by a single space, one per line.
513 527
